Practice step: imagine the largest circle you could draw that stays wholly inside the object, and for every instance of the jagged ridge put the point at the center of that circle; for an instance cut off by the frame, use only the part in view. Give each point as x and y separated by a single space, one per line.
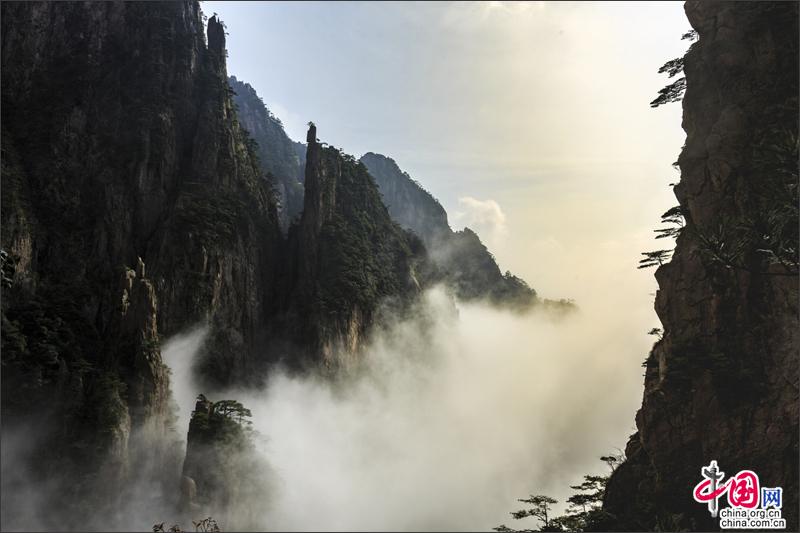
465 263
276 151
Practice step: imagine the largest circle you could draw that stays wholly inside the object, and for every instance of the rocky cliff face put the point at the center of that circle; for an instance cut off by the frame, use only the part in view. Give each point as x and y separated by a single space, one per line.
121 149
348 258
409 204
134 206
722 383
464 262
277 153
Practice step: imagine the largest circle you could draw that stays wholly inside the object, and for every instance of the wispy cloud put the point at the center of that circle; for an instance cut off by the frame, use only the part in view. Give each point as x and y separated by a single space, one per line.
484 217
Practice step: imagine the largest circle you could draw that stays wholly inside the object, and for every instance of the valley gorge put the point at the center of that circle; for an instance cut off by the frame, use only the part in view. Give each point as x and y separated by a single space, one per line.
147 193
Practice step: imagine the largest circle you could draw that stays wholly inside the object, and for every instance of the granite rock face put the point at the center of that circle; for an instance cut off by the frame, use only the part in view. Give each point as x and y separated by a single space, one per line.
121 152
277 153
348 259
722 384
410 205
135 205
124 129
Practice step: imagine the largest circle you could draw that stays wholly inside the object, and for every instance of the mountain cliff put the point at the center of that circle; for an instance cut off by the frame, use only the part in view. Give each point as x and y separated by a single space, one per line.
348 256
276 151
465 263
410 205
133 207
722 383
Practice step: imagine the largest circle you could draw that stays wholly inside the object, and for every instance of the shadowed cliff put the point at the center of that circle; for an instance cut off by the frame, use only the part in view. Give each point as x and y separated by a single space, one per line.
277 153
132 208
722 383
135 206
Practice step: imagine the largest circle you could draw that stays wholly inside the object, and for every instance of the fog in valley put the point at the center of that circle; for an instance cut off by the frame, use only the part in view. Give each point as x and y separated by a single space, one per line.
455 415
543 143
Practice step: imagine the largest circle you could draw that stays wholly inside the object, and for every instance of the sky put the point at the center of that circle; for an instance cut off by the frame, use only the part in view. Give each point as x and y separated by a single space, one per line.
530 122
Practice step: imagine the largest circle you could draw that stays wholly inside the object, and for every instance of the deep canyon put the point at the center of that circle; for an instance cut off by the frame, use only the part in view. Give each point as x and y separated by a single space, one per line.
202 316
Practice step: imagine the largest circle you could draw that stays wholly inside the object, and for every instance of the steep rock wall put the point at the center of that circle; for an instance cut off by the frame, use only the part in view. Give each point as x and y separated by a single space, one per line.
121 149
723 382
348 259
410 205
276 151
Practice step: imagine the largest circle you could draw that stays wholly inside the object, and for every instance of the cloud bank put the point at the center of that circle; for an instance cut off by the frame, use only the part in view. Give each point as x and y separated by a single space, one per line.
456 414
